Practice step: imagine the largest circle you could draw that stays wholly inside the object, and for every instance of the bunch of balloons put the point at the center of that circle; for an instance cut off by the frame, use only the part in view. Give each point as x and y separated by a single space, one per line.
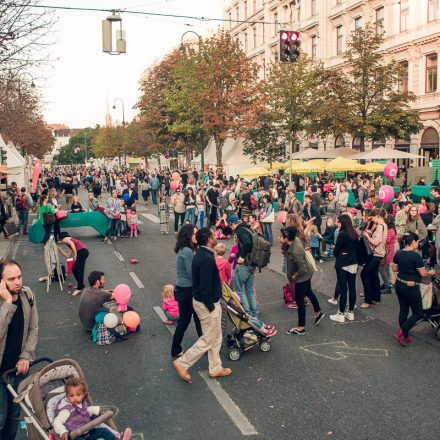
122 296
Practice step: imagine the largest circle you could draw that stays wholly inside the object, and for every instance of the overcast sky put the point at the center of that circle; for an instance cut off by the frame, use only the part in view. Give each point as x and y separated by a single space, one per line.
82 76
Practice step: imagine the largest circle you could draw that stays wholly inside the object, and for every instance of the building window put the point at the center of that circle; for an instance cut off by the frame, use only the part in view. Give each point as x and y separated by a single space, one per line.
237 13
314 48
380 20
245 9
358 22
275 20
432 10
339 40
313 7
431 73
230 18
404 14
263 38
299 10
403 77
245 42
254 31
255 6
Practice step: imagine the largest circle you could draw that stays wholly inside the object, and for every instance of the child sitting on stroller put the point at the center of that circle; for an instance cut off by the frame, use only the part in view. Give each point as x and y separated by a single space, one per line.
73 412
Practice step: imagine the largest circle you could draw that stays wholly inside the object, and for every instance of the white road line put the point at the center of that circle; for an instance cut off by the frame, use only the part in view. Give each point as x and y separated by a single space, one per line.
119 256
229 405
136 280
151 217
140 222
163 318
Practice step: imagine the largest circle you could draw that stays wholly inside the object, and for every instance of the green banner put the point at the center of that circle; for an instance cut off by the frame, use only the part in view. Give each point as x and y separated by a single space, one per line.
339 175
436 163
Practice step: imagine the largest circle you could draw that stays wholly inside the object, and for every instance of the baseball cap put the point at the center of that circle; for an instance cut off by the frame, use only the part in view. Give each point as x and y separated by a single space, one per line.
233 219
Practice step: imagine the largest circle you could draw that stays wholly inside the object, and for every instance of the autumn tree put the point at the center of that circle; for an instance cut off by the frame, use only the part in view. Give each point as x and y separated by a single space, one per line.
366 94
108 141
78 149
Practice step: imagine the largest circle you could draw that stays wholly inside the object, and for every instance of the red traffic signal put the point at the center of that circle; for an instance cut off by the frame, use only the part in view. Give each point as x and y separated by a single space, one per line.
289 44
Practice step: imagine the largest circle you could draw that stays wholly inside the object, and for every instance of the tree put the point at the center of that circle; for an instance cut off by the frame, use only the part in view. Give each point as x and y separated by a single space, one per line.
108 141
365 90
262 141
82 140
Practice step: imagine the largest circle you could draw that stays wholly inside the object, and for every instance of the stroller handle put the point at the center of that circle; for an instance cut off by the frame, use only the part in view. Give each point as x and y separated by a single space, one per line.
8 373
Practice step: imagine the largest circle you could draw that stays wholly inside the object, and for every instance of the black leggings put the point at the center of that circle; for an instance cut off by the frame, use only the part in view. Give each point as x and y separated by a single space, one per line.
301 291
48 229
370 279
183 296
409 297
346 279
79 266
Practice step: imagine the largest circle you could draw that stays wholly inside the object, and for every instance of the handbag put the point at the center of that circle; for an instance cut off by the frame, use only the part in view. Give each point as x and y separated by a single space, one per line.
282 216
269 219
426 293
48 218
311 261
60 214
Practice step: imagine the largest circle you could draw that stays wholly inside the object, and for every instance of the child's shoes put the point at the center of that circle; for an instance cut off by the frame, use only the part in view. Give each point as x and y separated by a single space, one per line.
126 435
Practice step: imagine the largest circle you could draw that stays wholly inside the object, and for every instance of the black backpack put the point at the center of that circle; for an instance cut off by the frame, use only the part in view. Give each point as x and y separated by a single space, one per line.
261 251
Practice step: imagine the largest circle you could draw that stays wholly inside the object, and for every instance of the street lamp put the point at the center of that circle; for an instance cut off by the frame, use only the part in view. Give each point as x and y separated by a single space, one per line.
30 76
123 123
182 48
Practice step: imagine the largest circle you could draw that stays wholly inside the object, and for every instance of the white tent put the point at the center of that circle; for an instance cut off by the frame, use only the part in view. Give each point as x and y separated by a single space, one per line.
16 165
383 153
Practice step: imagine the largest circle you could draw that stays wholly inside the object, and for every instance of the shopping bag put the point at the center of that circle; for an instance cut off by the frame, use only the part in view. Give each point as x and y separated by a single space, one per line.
282 216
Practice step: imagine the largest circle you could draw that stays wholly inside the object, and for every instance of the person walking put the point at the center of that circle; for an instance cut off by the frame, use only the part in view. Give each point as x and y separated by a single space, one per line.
207 291
154 188
113 211
178 203
408 265
190 206
267 218
346 265
79 252
300 272
22 205
18 339
185 245
377 238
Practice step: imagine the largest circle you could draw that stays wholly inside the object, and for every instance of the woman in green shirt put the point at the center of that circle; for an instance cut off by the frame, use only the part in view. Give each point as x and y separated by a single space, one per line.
46 208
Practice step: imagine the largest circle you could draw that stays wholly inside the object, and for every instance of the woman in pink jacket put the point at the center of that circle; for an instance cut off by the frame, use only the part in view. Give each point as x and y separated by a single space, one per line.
384 269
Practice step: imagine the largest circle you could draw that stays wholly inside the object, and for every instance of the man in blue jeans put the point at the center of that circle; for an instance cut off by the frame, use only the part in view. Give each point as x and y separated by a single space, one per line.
18 338
244 273
154 187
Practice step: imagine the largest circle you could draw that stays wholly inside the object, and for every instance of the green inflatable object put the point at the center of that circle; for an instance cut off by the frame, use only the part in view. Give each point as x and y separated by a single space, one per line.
95 220
418 191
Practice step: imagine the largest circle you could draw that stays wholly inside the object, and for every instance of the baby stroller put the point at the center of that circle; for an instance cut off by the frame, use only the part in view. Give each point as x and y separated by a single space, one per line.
40 392
248 332
431 304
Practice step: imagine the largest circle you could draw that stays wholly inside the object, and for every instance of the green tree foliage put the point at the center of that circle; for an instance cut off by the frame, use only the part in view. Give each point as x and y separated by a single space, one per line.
365 91
81 140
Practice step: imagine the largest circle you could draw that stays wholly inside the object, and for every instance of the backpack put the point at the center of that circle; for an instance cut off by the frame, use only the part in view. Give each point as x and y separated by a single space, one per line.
29 295
20 203
261 250
254 201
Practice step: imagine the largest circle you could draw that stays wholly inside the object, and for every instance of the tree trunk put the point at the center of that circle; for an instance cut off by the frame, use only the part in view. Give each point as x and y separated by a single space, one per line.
219 152
362 137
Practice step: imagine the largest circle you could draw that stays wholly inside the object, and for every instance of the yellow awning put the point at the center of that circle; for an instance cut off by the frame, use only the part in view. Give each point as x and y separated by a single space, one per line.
373 167
342 164
311 166
255 172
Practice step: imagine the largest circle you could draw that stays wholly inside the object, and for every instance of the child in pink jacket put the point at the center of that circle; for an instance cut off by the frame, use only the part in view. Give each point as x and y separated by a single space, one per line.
169 305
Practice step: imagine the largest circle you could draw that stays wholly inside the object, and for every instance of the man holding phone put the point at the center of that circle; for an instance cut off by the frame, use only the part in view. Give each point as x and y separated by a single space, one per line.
18 338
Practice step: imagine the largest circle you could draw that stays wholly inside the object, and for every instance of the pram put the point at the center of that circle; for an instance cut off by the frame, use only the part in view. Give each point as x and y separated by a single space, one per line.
39 393
245 334
432 314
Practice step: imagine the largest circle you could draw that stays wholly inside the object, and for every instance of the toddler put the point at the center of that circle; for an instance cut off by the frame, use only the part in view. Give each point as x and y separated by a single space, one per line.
224 268
169 305
132 221
123 229
164 215
314 238
73 412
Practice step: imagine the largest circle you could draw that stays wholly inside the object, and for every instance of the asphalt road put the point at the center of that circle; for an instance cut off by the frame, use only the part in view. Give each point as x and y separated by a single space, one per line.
350 381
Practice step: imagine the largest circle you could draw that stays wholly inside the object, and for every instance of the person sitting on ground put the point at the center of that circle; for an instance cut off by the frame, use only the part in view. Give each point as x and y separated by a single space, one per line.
76 205
93 299
169 305
223 230
73 412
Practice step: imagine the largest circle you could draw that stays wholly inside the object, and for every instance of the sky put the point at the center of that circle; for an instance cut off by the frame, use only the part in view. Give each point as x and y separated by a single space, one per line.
77 83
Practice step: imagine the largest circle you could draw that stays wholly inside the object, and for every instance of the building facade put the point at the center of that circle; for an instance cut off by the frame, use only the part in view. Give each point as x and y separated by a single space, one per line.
412 38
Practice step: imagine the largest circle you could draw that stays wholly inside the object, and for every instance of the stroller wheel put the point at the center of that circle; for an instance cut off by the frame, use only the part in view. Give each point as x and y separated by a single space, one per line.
264 346
234 354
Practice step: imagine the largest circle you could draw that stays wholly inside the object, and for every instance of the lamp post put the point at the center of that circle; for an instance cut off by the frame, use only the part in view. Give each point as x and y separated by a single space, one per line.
123 123
182 48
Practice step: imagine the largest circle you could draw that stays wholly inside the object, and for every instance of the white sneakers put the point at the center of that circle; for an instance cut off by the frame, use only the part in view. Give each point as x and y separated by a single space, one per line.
340 317
333 301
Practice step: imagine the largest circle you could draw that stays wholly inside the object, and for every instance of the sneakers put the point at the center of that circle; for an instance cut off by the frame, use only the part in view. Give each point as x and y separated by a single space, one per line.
349 315
294 331
319 317
269 327
269 332
399 336
333 301
292 305
126 435
365 306
338 317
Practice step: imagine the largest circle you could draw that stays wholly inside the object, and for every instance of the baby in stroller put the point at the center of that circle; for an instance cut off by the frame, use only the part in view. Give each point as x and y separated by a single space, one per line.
73 412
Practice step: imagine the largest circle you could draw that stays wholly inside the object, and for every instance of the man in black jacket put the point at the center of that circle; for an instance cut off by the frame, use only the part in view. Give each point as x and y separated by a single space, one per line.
207 291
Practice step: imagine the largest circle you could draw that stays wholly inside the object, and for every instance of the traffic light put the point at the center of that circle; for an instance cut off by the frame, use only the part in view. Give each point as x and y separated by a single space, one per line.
289 46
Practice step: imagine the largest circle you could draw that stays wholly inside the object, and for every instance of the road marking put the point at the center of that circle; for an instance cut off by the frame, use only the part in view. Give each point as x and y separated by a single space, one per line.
163 318
340 350
136 280
140 222
153 218
119 256
229 405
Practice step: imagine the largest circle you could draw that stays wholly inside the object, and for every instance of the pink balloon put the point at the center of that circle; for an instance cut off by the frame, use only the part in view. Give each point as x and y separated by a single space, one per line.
174 185
35 174
386 193
122 295
175 176
390 170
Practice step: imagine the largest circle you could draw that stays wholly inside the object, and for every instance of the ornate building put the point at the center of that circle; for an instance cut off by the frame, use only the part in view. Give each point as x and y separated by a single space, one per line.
412 38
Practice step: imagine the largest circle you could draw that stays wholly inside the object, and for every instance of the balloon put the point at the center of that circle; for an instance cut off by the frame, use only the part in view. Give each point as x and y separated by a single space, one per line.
175 176
110 320
386 193
126 197
122 295
131 319
36 174
390 170
174 185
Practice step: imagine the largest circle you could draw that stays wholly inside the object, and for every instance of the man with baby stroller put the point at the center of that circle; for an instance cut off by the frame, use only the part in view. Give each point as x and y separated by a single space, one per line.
18 338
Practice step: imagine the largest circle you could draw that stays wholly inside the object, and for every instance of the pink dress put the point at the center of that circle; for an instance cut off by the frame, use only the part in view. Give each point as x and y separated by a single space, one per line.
391 239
